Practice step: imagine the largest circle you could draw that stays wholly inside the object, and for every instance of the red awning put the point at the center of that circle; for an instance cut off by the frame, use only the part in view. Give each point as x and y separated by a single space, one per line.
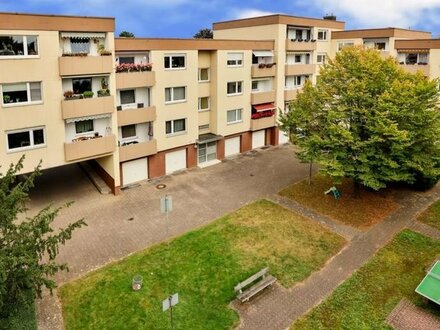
264 107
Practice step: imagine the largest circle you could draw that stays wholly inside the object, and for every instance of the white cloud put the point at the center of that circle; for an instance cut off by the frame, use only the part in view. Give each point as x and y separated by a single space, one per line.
380 13
248 12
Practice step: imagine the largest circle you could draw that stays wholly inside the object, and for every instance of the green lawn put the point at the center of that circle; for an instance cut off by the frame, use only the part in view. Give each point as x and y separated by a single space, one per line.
362 212
365 300
432 215
203 266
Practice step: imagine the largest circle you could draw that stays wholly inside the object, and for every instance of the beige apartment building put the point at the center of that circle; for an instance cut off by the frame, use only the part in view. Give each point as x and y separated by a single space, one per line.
137 109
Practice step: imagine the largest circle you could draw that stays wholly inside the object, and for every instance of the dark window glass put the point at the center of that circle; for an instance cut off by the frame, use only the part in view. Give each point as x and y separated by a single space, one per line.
81 85
167 62
11 45
126 60
38 136
411 59
127 97
179 125
168 127
128 131
32 45
178 61
232 88
15 93
19 140
254 59
84 126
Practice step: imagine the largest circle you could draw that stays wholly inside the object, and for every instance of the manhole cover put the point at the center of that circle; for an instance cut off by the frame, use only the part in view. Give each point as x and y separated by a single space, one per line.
161 186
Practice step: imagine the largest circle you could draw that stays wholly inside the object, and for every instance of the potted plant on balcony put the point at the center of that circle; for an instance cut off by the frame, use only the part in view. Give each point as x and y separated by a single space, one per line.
6 99
261 66
70 95
103 92
88 94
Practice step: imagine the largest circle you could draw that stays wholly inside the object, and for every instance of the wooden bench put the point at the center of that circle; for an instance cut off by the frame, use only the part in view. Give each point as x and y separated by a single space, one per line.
262 280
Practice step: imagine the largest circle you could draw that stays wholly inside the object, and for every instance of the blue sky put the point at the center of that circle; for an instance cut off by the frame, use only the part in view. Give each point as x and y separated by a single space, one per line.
182 18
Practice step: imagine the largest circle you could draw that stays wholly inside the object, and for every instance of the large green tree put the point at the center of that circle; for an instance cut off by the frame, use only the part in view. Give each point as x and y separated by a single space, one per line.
28 245
368 120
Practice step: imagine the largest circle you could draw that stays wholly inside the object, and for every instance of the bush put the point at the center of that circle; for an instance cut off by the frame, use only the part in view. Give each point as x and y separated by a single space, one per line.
19 315
88 94
424 182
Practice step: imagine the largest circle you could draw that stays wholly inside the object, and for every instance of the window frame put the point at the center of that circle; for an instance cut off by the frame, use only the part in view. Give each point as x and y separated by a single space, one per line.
236 88
28 91
25 48
199 106
134 97
172 101
132 137
236 121
238 62
85 132
173 132
324 57
31 139
170 56
199 75
342 44
323 31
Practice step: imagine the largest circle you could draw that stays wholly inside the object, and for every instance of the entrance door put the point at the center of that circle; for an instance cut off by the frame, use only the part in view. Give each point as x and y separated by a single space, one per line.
207 152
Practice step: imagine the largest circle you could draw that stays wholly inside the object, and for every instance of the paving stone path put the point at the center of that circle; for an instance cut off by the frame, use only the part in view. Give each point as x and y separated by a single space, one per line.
407 316
425 229
278 308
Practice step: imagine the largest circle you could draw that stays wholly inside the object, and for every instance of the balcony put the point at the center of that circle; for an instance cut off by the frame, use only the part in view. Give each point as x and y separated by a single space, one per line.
85 65
290 94
300 45
259 72
424 68
90 148
299 69
87 107
262 123
136 116
137 150
135 79
263 97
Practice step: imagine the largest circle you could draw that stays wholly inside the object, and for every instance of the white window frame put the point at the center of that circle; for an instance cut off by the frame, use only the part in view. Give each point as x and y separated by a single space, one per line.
173 133
199 107
127 105
171 61
31 135
236 88
324 55
200 75
28 89
325 32
342 44
172 95
236 121
238 61
25 50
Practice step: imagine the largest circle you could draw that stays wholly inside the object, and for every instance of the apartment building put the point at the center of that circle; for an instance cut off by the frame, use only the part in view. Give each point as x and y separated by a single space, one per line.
138 109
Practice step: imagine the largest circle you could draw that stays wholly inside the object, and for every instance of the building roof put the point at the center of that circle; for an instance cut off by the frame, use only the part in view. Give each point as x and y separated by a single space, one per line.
417 44
278 19
381 33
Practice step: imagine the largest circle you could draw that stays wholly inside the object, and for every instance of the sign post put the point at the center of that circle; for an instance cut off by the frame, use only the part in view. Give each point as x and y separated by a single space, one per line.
169 303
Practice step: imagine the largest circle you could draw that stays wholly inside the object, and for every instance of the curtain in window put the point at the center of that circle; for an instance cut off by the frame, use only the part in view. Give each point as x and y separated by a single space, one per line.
179 93
79 45
84 126
179 125
35 89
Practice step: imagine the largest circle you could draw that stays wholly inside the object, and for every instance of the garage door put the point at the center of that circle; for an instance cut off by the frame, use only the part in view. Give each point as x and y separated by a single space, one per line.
175 161
232 146
282 138
134 171
258 139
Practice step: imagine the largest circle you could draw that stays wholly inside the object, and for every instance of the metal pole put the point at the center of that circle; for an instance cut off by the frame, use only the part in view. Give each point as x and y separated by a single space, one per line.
171 312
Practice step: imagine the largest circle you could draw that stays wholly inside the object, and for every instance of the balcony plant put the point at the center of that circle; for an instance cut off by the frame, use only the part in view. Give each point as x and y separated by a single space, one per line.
131 67
70 95
103 92
6 98
104 52
261 65
88 94
262 114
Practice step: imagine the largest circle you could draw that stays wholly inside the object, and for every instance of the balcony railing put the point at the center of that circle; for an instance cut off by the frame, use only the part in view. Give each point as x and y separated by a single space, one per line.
263 97
85 65
290 94
305 45
261 120
136 116
299 69
92 147
135 79
413 68
137 150
87 107
265 70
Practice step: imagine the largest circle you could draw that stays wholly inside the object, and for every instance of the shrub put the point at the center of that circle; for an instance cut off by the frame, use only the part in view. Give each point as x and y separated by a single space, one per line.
88 94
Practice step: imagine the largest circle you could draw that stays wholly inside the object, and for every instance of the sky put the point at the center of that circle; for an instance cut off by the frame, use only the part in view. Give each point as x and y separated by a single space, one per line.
183 18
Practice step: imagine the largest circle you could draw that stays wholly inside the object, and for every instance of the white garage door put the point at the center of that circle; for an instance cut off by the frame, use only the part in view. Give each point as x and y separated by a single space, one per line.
282 137
175 161
258 139
134 171
232 146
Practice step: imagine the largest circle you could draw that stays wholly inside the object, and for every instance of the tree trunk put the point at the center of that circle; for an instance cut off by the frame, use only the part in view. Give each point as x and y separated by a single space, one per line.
356 190
310 172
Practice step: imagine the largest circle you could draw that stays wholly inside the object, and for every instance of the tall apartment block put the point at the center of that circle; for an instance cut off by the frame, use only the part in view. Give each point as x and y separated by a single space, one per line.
137 109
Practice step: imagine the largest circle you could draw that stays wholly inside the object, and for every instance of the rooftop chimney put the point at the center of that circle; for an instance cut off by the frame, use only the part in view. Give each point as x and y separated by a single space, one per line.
330 17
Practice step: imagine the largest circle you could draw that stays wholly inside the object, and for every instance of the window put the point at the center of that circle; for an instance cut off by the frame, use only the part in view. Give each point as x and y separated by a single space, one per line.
342 45
84 126
204 74
175 61
234 116
235 59
322 35
12 45
79 45
234 88
82 85
128 96
128 131
26 139
292 82
21 93
321 58
204 103
175 94
255 85
207 152
202 127
175 126
126 59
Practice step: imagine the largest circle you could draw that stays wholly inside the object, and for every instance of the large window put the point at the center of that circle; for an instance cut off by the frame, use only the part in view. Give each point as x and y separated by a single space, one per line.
128 96
203 75
26 139
21 93
235 59
203 103
234 116
235 88
82 85
12 45
322 35
175 94
175 61
175 126
84 126
126 59
79 45
128 131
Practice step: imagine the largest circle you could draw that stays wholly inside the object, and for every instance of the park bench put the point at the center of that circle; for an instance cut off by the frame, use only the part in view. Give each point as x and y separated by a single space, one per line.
260 281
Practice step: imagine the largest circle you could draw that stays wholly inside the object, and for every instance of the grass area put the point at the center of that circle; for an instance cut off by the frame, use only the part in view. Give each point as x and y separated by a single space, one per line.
365 300
21 315
203 266
362 212
432 215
